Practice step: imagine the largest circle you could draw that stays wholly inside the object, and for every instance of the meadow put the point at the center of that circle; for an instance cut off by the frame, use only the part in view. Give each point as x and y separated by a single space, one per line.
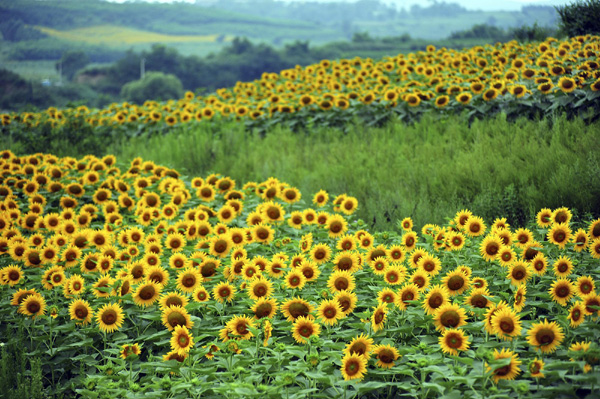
419 226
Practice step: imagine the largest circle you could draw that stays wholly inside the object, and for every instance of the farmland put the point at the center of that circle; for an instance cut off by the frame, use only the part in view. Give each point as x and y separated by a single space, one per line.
421 225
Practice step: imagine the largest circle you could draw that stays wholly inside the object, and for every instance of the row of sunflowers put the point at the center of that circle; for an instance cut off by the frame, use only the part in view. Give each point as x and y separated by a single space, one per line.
134 278
532 79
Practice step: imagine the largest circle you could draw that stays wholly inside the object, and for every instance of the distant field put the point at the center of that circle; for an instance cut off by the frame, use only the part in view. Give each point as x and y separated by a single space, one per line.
118 35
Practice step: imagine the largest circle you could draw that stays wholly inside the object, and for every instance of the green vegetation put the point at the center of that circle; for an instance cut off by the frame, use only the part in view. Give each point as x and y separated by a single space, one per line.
580 18
155 85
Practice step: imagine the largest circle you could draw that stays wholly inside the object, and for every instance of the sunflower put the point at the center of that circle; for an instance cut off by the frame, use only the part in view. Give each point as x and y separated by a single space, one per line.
539 264
535 368
346 261
110 317
296 307
478 298
330 312
188 280
303 328
561 291
409 240
320 198
559 235
240 327
224 292
347 301
519 272
567 85
11 275
81 311
33 305
585 285
545 336
260 288
220 246
428 263
336 226
576 314
340 281
449 316
490 247
349 205
200 294
320 253
263 233
455 240
409 292
353 367
379 316
506 324
456 282
174 316
147 293
394 274
173 299
295 279
594 248
181 340
590 300
437 296
474 226
508 372
453 340
563 267
273 212
544 218
360 345
264 307
581 240
420 279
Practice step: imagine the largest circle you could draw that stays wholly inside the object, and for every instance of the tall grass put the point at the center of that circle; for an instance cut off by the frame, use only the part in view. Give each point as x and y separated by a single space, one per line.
426 171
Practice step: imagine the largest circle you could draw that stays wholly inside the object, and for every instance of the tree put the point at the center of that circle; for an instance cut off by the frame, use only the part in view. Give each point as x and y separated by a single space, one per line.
580 18
72 61
155 86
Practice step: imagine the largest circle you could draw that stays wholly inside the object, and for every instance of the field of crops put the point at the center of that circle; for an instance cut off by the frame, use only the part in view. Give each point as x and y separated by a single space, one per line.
118 34
129 280
534 79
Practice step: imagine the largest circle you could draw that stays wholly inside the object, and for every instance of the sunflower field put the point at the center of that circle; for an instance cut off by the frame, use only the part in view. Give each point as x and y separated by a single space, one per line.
534 80
131 280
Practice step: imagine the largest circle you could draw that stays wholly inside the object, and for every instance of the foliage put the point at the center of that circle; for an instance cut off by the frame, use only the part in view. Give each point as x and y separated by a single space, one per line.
580 17
15 30
71 62
152 85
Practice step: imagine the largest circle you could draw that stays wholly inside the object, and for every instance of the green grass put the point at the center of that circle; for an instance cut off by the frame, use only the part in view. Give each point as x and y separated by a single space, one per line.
427 171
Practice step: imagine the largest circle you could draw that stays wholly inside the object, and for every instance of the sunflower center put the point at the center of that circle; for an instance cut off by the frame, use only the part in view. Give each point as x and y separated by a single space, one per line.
176 319
492 249
33 307
518 273
563 291
183 341
330 313
436 300
479 301
81 312
352 368
559 236
260 290
109 317
507 325
408 296
502 371
298 309
392 277
305 331
341 284
386 356
456 283
224 292
14 275
379 317
147 293
454 341
263 310
586 288
545 336
450 318
576 315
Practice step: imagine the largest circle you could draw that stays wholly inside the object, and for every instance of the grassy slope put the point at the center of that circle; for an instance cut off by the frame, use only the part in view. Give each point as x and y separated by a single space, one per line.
427 171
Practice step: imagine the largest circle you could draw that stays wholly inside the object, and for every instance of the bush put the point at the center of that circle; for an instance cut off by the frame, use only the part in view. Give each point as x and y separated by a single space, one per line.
154 86
580 18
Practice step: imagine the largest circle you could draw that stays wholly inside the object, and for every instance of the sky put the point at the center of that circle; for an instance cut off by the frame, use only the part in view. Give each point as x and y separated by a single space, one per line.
487 5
